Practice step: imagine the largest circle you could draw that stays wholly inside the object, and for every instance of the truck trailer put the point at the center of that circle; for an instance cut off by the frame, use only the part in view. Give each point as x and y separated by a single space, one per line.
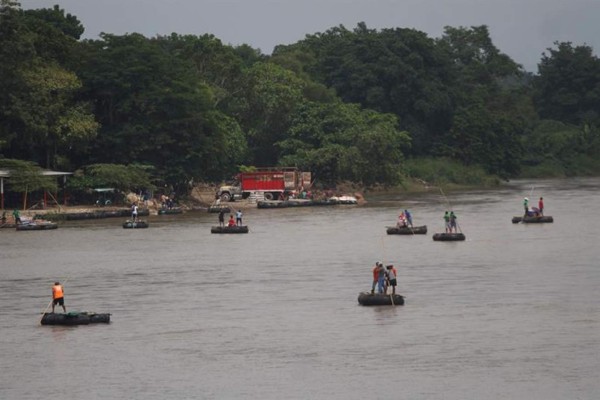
267 183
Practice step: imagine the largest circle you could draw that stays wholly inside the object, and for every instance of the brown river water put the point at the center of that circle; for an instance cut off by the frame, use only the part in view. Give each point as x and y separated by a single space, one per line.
510 313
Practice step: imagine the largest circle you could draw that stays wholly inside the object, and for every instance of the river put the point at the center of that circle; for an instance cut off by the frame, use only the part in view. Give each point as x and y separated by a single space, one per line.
510 313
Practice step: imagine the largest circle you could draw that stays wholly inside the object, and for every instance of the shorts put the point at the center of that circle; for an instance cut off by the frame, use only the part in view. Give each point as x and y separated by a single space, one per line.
392 282
60 301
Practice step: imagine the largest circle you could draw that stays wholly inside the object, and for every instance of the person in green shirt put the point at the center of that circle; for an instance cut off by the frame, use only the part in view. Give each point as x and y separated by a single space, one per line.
447 220
17 216
526 205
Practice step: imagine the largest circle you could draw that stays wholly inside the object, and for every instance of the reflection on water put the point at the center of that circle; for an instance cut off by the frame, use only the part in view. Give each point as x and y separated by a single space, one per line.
510 313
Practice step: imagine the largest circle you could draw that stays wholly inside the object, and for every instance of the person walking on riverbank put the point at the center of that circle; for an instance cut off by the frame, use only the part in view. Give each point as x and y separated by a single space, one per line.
58 296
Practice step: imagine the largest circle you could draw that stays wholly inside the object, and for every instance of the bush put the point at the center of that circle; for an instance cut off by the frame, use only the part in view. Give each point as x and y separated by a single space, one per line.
443 171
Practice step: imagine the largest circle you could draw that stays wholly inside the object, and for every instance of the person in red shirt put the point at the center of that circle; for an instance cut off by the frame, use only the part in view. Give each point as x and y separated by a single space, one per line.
375 276
541 205
231 221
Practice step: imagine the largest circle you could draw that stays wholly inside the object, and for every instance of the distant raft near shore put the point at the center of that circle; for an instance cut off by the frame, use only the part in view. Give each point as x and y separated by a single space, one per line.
135 224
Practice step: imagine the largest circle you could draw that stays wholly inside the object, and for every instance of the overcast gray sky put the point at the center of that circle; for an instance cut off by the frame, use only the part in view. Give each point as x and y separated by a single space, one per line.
523 29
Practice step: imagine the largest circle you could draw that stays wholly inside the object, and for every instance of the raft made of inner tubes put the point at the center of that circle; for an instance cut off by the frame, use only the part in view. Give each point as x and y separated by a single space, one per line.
75 318
533 220
448 237
37 226
135 225
415 230
379 299
229 229
218 209
169 211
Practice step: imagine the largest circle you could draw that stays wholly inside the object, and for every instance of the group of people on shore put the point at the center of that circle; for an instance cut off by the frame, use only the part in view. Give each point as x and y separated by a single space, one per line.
232 222
535 211
383 278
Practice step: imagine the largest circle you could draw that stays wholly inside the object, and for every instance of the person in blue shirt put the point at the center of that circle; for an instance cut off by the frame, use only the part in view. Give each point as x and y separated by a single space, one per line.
408 218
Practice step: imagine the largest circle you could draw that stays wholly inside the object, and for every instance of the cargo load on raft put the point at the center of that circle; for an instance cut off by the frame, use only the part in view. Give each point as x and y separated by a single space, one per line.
533 219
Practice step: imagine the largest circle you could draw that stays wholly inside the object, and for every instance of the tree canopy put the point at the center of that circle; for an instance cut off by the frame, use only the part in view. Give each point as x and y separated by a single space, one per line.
346 104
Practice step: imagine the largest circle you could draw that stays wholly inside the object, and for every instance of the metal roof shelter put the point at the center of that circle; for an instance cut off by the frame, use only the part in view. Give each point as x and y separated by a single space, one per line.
4 173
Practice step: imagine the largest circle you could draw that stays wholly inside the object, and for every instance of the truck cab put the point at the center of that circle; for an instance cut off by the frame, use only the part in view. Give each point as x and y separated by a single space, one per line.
230 192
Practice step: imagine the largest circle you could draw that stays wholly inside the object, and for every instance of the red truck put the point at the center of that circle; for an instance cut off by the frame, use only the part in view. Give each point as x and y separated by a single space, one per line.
267 183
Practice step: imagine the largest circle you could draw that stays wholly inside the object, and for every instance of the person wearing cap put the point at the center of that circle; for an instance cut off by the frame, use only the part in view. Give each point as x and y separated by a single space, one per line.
58 296
391 274
526 205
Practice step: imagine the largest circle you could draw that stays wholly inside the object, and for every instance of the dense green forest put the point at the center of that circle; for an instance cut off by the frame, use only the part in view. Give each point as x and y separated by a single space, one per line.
362 105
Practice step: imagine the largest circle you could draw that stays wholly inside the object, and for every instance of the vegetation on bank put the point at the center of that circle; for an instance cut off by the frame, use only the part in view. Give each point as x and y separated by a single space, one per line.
374 107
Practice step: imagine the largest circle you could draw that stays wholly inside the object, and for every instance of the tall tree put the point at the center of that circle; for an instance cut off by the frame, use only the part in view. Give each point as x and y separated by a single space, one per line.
567 87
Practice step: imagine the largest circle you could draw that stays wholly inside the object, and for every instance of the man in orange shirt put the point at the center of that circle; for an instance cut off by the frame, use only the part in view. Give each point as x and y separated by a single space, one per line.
58 296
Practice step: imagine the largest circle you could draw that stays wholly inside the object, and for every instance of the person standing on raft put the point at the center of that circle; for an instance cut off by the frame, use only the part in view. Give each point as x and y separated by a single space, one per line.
447 222
222 217
375 276
238 218
58 296
391 278
541 206
526 206
452 222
